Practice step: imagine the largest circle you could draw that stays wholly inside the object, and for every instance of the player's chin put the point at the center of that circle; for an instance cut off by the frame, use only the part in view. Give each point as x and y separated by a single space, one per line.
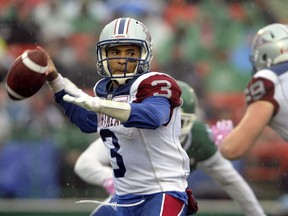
118 72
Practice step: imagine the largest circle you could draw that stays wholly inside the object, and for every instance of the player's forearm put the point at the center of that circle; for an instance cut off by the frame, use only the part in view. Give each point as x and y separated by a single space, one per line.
235 145
246 133
117 110
152 113
86 121
232 182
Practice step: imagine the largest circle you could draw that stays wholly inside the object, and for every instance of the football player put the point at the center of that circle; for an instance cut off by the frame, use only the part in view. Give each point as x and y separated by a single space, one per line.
266 93
137 115
93 164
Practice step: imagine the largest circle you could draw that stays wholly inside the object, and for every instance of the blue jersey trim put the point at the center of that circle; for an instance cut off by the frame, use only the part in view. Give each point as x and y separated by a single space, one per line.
134 198
84 119
279 68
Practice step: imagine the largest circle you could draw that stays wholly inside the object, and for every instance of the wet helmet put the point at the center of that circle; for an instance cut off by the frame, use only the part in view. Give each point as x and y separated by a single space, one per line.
270 46
124 31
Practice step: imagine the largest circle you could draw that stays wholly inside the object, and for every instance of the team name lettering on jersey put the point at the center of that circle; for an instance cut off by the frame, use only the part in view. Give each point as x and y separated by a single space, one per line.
107 121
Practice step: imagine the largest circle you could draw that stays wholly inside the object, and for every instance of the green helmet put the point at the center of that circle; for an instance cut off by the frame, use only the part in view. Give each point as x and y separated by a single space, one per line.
188 108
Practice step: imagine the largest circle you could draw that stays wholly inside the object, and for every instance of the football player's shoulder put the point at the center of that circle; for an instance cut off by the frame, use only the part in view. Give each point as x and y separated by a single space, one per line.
263 79
157 84
202 139
199 127
261 86
100 87
154 77
266 74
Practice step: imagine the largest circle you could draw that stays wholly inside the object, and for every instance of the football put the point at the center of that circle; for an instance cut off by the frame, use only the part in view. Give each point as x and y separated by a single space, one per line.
26 75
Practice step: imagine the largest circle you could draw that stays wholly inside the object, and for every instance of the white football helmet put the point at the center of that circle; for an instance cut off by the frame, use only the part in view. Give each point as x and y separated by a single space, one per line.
270 46
124 31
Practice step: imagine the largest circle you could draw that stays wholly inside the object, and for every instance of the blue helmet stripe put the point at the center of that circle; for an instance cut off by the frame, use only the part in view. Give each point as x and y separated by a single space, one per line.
121 26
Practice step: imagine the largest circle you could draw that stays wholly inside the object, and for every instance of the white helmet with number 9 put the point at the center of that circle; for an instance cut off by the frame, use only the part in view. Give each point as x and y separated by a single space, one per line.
270 46
124 31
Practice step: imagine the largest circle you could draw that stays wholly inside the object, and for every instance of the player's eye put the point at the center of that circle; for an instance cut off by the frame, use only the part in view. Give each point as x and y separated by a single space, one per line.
131 53
114 52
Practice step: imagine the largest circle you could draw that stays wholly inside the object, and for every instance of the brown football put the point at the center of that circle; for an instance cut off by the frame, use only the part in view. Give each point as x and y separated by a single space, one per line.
26 75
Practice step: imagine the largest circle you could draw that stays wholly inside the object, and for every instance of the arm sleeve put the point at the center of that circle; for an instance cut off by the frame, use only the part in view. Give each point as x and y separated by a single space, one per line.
93 165
151 113
85 120
238 189
261 88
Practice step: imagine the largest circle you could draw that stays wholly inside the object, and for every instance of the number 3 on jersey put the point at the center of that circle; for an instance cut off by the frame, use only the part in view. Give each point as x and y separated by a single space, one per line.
165 90
120 171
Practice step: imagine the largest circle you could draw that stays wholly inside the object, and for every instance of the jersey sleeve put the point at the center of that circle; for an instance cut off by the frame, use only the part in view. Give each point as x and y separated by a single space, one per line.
93 165
160 84
152 113
202 146
85 120
263 89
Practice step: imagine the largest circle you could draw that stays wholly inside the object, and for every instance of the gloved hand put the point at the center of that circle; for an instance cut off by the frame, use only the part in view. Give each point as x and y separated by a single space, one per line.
114 109
71 88
108 185
221 129
80 98
192 203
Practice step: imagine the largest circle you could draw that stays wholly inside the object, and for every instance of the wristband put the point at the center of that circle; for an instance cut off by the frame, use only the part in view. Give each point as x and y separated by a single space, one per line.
57 85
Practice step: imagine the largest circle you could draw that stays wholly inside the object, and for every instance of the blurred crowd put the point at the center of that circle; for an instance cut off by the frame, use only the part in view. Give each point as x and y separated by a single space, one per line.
202 42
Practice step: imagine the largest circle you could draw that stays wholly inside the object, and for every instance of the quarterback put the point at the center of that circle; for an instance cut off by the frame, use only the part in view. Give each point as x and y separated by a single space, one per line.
137 115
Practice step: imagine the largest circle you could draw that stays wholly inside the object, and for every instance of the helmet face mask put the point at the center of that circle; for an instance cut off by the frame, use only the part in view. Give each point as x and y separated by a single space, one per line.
187 120
189 104
270 46
124 31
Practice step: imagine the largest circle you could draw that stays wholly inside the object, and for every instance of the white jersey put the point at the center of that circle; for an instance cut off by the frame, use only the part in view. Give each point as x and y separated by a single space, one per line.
145 161
272 85
93 165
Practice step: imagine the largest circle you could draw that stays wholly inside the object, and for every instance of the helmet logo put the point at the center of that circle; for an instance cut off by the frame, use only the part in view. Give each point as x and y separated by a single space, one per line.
262 38
145 30
120 36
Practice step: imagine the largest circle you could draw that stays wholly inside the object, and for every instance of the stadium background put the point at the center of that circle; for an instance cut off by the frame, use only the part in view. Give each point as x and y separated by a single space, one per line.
205 43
